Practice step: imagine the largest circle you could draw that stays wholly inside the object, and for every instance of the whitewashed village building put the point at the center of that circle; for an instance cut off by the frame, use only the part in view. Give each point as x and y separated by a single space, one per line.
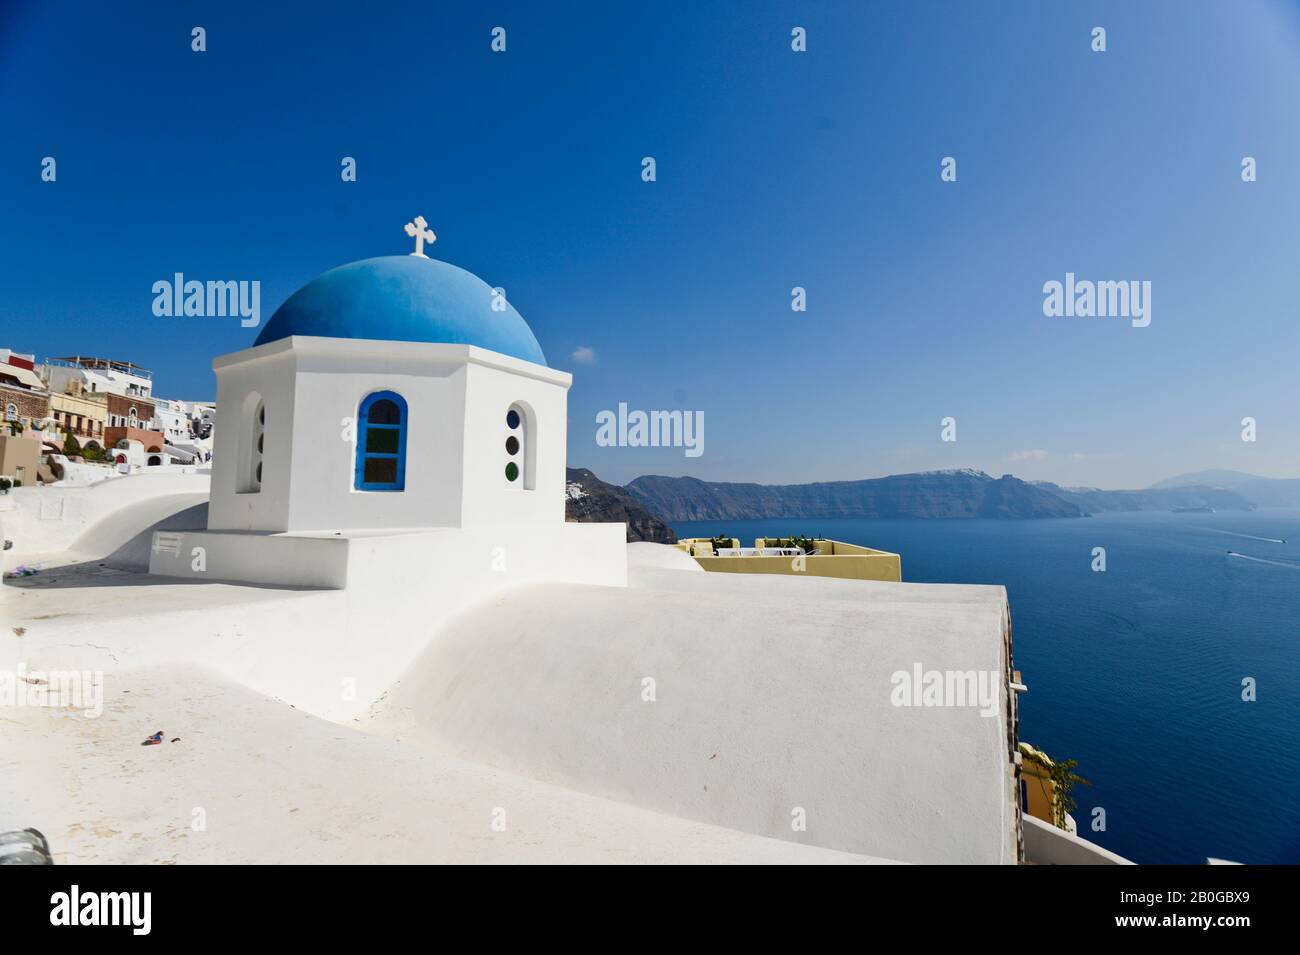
98 376
171 418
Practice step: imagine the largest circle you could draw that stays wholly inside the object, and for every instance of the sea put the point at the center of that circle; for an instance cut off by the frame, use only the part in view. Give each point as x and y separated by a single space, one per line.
1138 671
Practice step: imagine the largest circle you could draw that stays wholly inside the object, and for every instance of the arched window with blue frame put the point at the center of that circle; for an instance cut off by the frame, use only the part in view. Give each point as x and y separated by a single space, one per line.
381 443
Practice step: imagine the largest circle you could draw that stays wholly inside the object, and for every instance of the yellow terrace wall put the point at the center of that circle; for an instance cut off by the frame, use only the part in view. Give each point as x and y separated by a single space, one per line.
1040 789
836 559
703 546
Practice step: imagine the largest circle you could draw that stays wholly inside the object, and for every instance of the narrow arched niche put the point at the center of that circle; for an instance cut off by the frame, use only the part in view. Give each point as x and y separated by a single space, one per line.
521 446
252 428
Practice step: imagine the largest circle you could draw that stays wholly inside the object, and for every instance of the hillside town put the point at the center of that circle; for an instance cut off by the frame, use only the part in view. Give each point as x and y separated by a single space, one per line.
81 419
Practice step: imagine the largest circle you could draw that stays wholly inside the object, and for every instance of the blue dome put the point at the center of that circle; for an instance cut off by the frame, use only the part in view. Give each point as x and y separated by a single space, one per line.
403 298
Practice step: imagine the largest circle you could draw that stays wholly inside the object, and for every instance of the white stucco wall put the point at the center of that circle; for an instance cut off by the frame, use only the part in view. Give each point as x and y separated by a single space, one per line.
457 397
489 497
269 372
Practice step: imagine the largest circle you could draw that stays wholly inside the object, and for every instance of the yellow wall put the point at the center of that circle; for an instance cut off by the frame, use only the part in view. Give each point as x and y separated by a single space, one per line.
836 559
93 414
880 566
1040 790
702 545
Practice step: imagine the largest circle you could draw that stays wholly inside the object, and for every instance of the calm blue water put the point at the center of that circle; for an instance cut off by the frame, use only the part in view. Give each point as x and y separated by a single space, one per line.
1136 672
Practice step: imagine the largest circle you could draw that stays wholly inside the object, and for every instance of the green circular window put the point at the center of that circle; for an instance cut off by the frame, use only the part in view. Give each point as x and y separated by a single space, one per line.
512 445
512 471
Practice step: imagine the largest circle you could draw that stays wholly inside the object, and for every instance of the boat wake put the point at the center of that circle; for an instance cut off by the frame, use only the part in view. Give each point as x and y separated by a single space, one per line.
1261 560
1249 537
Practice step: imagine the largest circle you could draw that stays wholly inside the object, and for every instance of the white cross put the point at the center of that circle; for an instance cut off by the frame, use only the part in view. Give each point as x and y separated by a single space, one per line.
419 230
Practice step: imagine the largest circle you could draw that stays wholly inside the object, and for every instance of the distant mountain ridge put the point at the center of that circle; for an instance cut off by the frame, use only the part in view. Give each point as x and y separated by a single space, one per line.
1260 491
929 494
1215 477
648 502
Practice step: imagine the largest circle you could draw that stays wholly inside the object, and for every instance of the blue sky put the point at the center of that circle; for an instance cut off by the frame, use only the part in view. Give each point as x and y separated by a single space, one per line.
775 169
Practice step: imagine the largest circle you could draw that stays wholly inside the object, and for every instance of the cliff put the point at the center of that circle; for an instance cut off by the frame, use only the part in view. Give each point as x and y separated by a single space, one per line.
589 499
944 494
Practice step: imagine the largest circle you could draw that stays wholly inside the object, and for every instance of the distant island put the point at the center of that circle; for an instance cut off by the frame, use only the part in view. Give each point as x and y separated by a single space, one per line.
650 502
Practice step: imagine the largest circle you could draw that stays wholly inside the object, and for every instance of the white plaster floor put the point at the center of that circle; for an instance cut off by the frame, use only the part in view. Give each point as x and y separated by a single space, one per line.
275 785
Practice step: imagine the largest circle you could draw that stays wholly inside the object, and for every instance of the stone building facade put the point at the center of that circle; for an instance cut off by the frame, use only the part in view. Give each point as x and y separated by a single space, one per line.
24 405
128 411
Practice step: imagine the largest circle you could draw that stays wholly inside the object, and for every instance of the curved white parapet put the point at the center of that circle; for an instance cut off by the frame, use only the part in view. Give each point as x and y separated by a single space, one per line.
661 556
93 521
1045 844
756 703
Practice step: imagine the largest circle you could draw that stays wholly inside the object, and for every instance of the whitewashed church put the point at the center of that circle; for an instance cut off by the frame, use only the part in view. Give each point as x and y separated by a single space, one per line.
391 397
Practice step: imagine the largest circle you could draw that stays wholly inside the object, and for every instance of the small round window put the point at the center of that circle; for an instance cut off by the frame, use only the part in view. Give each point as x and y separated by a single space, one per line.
512 471
512 445
512 420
